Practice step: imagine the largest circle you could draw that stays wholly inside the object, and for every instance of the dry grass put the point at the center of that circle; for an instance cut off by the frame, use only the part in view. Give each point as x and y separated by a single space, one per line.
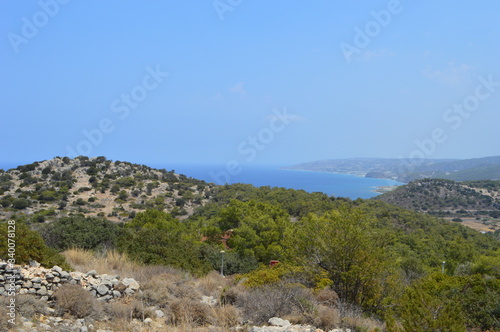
327 297
118 324
78 258
363 324
178 294
186 312
29 306
147 272
162 289
327 318
354 318
111 262
213 284
226 316
198 329
4 311
75 301
277 300
119 311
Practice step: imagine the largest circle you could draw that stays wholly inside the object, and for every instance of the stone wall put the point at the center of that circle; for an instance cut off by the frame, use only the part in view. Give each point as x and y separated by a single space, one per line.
42 282
282 325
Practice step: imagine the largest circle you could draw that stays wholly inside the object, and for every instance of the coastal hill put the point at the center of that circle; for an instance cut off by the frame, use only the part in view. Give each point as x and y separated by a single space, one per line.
97 187
475 203
487 168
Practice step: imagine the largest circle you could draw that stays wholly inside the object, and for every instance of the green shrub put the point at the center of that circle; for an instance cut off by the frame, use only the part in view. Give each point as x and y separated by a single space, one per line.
269 275
20 203
156 238
81 232
80 201
29 245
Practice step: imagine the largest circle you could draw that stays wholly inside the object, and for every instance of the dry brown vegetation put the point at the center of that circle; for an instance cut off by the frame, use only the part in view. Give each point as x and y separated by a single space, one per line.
179 296
75 301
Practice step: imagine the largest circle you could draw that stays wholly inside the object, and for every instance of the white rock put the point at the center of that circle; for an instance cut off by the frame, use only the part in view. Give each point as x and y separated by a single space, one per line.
130 283
92 273
275 321
57 269
208 300
42 290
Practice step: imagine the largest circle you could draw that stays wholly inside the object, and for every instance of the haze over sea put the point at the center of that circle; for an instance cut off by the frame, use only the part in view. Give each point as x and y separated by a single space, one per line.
338 185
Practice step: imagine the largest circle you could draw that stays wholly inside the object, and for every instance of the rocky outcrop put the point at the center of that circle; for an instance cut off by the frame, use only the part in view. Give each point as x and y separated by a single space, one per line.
43 282
282 325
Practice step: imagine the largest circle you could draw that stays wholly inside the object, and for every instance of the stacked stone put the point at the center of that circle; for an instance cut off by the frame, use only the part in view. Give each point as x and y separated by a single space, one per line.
10 279
282 325
42 282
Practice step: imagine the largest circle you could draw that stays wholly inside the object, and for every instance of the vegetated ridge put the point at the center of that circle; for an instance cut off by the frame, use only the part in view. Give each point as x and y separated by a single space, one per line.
475 203
97 187
487 168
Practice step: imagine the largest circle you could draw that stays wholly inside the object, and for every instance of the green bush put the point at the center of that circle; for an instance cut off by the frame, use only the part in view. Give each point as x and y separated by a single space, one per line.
20 203
156 238
29 245
81 232
443 303
233 262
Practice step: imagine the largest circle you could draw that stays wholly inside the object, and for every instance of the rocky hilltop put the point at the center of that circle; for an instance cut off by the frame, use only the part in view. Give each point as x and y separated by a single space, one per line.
97 187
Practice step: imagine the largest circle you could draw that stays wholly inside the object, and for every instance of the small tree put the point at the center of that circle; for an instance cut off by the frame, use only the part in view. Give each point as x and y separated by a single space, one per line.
20 203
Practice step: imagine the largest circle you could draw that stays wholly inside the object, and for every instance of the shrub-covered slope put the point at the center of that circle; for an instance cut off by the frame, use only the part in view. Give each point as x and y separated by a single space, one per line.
477 203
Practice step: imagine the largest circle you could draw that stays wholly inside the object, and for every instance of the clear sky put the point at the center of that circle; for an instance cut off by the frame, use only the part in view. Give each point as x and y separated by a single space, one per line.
262 82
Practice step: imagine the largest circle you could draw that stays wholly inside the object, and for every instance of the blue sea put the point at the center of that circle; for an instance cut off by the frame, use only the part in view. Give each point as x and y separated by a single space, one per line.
338 185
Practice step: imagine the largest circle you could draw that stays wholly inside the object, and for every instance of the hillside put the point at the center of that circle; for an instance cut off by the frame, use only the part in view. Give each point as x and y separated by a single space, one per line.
356 265
475 203
97 187
401 170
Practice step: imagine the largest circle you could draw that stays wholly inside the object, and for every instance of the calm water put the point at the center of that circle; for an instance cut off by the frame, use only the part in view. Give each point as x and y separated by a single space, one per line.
338 185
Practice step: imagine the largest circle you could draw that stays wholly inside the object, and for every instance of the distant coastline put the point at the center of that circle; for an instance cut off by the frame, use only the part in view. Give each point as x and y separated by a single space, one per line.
384 189
357 174
400 170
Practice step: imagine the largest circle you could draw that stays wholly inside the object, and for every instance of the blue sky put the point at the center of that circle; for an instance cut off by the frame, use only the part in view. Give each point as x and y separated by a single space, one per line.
262 82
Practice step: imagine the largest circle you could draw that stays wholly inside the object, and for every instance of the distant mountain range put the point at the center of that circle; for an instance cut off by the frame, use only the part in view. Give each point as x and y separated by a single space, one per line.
487 168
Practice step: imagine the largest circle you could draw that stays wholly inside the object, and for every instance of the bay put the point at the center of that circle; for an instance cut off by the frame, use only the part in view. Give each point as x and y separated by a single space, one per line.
338 185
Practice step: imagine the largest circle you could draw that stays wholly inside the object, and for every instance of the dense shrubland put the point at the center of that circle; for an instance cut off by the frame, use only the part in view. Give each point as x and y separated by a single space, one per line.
363 264
475 202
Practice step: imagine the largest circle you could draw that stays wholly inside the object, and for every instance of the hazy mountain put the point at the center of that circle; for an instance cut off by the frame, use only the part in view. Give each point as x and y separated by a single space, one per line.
403 171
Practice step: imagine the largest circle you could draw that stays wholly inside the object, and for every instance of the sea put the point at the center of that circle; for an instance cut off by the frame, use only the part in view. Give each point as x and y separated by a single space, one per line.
337 185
